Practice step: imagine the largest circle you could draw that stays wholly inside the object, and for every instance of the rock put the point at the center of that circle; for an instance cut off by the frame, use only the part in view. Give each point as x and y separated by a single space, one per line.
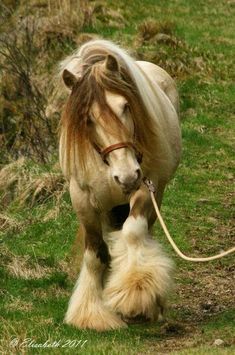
191 112
203 200
212 220
207 306
218 342
164 38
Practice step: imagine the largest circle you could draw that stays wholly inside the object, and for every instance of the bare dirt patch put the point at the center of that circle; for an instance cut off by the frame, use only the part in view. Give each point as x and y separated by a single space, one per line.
208 292
204 294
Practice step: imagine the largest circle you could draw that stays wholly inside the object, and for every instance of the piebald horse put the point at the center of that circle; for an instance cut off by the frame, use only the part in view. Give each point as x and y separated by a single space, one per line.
119 124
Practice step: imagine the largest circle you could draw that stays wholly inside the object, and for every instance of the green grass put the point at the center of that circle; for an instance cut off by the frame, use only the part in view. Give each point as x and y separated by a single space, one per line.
198 205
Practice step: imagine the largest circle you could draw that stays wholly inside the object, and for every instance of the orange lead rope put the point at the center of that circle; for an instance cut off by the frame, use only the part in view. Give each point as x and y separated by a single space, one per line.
152 190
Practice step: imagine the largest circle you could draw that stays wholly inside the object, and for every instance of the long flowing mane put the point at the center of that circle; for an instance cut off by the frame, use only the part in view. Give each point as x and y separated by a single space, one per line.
93 80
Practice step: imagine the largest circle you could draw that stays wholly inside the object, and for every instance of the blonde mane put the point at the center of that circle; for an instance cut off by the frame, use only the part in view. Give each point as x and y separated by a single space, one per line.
87 64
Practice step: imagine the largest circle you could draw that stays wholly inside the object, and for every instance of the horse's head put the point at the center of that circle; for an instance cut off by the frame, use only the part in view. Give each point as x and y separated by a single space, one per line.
116 143
106 108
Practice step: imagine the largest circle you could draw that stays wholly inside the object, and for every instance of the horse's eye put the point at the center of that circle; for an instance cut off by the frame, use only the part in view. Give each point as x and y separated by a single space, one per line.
126 108
89 121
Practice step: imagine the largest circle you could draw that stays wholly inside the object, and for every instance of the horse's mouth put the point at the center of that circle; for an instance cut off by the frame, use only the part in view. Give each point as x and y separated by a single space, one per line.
127 190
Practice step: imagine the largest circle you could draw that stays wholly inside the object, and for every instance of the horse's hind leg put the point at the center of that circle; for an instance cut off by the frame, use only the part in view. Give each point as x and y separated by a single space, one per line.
139 277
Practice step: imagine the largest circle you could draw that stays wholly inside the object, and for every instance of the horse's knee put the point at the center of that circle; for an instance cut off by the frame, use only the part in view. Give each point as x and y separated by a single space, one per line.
135 229
77 250
92 262
141 205
98 246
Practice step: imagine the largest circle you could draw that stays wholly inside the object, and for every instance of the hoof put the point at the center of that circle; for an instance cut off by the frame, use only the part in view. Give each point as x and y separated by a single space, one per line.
133 298
139 319
98 319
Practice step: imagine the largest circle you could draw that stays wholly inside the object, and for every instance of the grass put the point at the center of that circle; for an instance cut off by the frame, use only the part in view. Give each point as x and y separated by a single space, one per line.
36 275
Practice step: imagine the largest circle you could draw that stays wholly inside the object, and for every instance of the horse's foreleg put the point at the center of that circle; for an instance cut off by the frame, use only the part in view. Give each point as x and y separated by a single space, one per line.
139 278
77 252
86 308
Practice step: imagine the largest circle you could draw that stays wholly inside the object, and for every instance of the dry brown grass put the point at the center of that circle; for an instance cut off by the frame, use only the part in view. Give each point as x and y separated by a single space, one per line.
30 186
9 223
18 304
20 267
51 291
12 332
73 13
23 267
41 188
27 186
30 268
149 28
157 42
9 174
27 48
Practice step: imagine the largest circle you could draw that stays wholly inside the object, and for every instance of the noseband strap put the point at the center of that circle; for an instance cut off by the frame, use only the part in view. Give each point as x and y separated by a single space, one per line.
104 152
116 146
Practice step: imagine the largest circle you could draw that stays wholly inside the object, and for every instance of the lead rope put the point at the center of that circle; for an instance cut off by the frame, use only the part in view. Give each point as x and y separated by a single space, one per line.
152 190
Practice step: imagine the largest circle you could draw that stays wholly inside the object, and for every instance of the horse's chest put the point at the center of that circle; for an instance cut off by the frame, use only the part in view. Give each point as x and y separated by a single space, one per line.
105 196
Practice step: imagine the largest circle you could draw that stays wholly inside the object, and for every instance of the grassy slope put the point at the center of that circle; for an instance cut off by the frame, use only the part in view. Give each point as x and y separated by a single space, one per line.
198 207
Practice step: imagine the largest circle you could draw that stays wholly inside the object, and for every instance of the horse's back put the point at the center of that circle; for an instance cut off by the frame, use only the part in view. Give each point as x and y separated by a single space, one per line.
160 77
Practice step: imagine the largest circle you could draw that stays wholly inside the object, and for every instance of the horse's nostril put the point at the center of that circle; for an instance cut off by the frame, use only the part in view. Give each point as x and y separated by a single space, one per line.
117 179
138 172
129 181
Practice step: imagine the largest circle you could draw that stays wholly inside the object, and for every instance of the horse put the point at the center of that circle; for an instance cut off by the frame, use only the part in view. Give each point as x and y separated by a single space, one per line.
120 123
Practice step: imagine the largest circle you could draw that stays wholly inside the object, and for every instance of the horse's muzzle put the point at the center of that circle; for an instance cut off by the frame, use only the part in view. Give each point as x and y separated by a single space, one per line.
129 182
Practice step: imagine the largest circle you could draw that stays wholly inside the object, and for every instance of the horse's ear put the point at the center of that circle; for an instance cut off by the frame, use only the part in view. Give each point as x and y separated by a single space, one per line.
69 79
111 63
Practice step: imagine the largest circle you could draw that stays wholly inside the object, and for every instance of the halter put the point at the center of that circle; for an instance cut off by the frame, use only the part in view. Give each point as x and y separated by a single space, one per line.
104 152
